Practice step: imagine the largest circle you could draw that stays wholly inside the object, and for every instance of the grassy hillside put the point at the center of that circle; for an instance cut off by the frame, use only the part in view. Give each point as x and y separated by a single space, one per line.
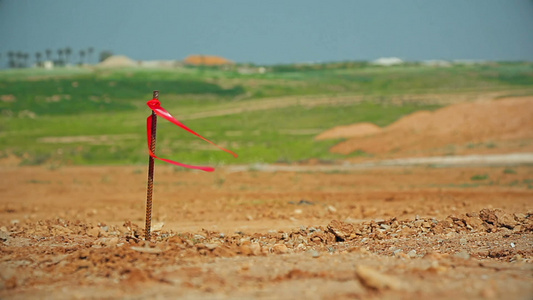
82 116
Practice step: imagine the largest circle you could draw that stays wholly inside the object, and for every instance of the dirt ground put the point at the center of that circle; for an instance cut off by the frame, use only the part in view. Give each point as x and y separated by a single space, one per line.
488 126
385 233
324 232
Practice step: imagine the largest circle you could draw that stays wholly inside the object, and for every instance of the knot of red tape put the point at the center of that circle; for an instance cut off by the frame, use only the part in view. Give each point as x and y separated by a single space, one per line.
155 105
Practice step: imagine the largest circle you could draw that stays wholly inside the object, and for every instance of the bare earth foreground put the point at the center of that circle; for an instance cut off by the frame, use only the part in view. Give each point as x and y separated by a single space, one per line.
386 232
445 212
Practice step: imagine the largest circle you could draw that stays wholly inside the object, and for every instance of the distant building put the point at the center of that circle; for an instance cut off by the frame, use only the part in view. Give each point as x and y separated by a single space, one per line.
48 64
206 60
437 63
160 64
387 61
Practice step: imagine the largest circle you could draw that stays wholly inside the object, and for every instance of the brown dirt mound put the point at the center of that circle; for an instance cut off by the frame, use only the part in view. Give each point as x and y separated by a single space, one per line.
118 61
206 60
349 131
506 121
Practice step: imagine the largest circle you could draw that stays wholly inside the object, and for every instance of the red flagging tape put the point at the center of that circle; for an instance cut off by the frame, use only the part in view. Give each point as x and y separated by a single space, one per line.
155 105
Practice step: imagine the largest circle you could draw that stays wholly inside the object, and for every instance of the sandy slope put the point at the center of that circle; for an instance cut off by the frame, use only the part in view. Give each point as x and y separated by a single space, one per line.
499 126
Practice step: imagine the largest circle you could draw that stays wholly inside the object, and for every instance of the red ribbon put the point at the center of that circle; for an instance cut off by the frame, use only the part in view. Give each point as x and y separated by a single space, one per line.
155 105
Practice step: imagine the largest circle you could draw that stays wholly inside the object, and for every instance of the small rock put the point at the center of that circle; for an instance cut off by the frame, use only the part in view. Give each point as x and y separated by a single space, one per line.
488 216
199 237
211 246
301 247
402 255
342 231
4 236
474 222
245 250
255 248
305 202
297 211
314 253
95 231
279 249
102 232
498 217
158 226
110 242
463 254
375 280
435 256
517 258
92 212
505 219
350 220
332 209
518 216
472 214
436 267
411 254
147 250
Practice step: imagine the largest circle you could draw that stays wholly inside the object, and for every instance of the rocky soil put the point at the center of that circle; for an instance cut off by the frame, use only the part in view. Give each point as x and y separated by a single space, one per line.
392 233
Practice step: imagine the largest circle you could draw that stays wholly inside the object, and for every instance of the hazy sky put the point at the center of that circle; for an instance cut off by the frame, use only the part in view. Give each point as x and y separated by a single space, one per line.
273 31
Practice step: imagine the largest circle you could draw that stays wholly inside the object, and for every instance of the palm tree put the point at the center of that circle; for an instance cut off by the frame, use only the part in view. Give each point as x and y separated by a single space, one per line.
20 57
48 53
11 56
68 51
60 57
82 56
38 56
90 51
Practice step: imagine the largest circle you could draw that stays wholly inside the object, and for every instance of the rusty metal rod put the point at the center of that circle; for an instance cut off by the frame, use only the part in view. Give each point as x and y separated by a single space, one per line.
150 189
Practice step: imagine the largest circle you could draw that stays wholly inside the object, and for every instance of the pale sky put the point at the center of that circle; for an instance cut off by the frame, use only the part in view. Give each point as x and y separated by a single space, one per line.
273 31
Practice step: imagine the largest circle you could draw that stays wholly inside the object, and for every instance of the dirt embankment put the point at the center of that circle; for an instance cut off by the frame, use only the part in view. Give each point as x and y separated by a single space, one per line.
349 131
498 126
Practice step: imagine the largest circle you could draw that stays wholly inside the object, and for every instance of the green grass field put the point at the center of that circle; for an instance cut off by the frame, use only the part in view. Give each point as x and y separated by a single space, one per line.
83 116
